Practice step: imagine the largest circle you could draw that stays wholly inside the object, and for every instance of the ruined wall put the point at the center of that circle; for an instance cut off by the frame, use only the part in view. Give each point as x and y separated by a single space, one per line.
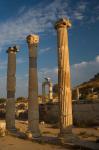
86 114
83 114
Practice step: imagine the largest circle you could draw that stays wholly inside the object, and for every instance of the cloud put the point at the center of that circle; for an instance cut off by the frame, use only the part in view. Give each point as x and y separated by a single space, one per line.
80 65
22 80
83 71
48 72
78 15
80 72
32 20
79 11
44 50
38 20
97 59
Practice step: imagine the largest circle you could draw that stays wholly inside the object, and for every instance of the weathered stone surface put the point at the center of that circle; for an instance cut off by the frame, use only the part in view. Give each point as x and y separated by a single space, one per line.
2 129
11 85
33 107
64 78
49 83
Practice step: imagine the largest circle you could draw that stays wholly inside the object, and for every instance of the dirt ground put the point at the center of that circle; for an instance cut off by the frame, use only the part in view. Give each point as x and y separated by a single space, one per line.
10 142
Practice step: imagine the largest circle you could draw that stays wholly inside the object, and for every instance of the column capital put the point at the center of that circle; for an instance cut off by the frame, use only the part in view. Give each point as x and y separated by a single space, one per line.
63 23
32 39
13 49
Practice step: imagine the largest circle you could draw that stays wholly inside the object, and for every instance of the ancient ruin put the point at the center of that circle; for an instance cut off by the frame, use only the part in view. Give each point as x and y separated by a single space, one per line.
33 107
65 101
49 83
11 86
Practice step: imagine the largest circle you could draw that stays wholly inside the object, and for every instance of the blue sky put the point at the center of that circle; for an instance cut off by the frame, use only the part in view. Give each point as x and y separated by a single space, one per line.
18 18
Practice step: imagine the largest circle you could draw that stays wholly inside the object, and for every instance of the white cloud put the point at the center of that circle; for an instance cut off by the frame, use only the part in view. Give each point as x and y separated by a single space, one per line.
48 72
97 59
37 20
33 20
80 65
44 50
82 6
80 72
83 71
78 15
79 11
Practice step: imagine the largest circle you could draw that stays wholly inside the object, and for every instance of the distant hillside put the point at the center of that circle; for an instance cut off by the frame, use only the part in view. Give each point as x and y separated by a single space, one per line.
89 89
93 82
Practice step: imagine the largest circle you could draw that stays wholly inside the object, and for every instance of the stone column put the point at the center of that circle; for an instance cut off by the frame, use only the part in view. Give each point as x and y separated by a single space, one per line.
11 84
50 91
65 101
78 94
43 93
33 106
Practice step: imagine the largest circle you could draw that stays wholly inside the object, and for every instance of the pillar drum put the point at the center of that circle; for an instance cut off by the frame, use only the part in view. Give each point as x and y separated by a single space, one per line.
11 83
50 91
33 106
65 102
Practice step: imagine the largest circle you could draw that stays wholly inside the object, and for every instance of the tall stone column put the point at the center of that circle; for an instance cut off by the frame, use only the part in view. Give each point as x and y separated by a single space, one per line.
33 106
50 91
11 85
65 101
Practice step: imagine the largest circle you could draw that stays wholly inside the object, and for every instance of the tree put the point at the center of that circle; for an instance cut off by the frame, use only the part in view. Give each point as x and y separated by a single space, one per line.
21 99
2 100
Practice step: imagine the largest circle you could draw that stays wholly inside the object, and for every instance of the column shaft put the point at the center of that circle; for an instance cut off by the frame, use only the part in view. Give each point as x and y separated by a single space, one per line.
11 83
33 107
43 93
65 103
50 91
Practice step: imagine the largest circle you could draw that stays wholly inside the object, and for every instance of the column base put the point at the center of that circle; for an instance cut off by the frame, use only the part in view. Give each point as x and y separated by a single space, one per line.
12 129
67 138
31 135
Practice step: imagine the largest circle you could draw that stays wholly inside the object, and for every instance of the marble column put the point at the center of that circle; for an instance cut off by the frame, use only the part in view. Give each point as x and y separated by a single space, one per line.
33 106
50 91
11 85
65 101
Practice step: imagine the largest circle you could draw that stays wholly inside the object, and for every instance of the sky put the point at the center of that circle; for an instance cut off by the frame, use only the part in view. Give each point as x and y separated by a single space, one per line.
19 18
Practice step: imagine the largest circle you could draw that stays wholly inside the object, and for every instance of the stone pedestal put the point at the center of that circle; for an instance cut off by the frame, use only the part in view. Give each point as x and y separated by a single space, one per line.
11 84
65 101
33 106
